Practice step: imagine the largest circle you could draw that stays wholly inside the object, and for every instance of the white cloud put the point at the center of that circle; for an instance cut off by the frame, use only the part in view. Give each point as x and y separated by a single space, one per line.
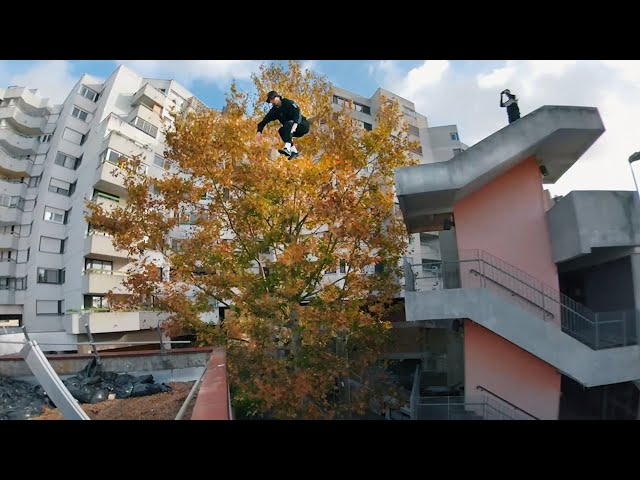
497 77
310 65
424 76
218 72
471 101
52 78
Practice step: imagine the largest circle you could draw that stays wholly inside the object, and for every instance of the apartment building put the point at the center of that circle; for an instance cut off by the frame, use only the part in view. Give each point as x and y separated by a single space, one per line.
56 270
437 144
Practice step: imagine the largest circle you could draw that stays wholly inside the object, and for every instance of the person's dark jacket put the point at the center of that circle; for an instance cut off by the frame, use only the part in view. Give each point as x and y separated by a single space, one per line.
287 111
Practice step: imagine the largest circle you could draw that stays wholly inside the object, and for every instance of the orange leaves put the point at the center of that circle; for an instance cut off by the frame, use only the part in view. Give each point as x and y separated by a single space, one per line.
239 225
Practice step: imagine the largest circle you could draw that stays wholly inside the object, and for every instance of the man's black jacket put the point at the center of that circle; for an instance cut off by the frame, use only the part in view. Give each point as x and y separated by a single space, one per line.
287 111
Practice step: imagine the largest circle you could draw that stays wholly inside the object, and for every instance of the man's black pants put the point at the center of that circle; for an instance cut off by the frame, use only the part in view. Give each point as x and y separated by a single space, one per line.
285 130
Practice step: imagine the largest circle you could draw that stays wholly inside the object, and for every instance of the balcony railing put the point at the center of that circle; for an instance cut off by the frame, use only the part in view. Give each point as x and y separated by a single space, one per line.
478 269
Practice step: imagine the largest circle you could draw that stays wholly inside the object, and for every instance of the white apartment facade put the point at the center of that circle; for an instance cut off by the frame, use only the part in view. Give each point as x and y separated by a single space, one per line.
437 144
54 269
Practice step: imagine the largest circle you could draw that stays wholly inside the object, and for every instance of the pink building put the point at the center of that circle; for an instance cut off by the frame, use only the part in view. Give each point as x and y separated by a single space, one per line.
534 313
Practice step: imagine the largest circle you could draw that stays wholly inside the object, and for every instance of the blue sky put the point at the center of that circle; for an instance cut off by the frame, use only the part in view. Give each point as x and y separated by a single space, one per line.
465 93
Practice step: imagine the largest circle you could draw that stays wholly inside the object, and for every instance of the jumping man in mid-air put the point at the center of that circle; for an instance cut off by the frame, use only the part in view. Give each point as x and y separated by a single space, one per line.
294 124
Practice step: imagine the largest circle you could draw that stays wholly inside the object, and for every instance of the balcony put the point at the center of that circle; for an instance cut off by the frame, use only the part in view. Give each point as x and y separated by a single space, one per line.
149 96
8 268
100 247
13 187
10 215
26 124
13 166
9 241
26 95
103 281
108 322
108 182
12 297
18 144
148 115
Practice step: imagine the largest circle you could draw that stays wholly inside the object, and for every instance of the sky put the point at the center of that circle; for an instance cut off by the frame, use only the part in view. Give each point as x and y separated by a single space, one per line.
464 93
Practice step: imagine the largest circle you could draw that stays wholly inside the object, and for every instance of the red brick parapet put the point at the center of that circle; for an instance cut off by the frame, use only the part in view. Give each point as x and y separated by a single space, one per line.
212 401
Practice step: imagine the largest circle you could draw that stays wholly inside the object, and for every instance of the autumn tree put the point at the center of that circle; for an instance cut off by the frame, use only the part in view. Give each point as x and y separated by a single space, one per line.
305 252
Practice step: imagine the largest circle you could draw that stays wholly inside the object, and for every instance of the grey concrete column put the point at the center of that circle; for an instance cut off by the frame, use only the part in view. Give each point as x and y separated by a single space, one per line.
635 273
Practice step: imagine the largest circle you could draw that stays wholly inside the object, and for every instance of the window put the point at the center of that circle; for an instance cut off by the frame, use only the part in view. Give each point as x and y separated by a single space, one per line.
414 130
103 266
61 187
100 194
7 256
79 113
74 136
145 126
177 99
343 266
51 275
56 215
409 111
49 307
154 189
67 161
176 244
88 93
161 162
11 320
13 283
454 136
358 107
418 150
10 230
457 150
95 301
45 138
19 230
363 125
52 245
23 256
11 202
33 182
112 157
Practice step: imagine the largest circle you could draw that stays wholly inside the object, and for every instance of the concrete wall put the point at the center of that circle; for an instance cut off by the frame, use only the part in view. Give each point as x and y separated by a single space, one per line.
583 220
441 143
527 382
180 364
507 219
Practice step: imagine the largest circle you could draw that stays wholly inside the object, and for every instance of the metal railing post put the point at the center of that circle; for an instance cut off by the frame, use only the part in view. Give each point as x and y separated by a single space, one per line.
93 345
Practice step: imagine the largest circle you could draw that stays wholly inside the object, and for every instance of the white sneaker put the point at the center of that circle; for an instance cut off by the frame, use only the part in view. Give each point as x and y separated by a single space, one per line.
285 151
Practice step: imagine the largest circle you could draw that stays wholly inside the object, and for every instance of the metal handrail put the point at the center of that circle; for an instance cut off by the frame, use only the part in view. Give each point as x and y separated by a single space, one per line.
483 389
576 319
